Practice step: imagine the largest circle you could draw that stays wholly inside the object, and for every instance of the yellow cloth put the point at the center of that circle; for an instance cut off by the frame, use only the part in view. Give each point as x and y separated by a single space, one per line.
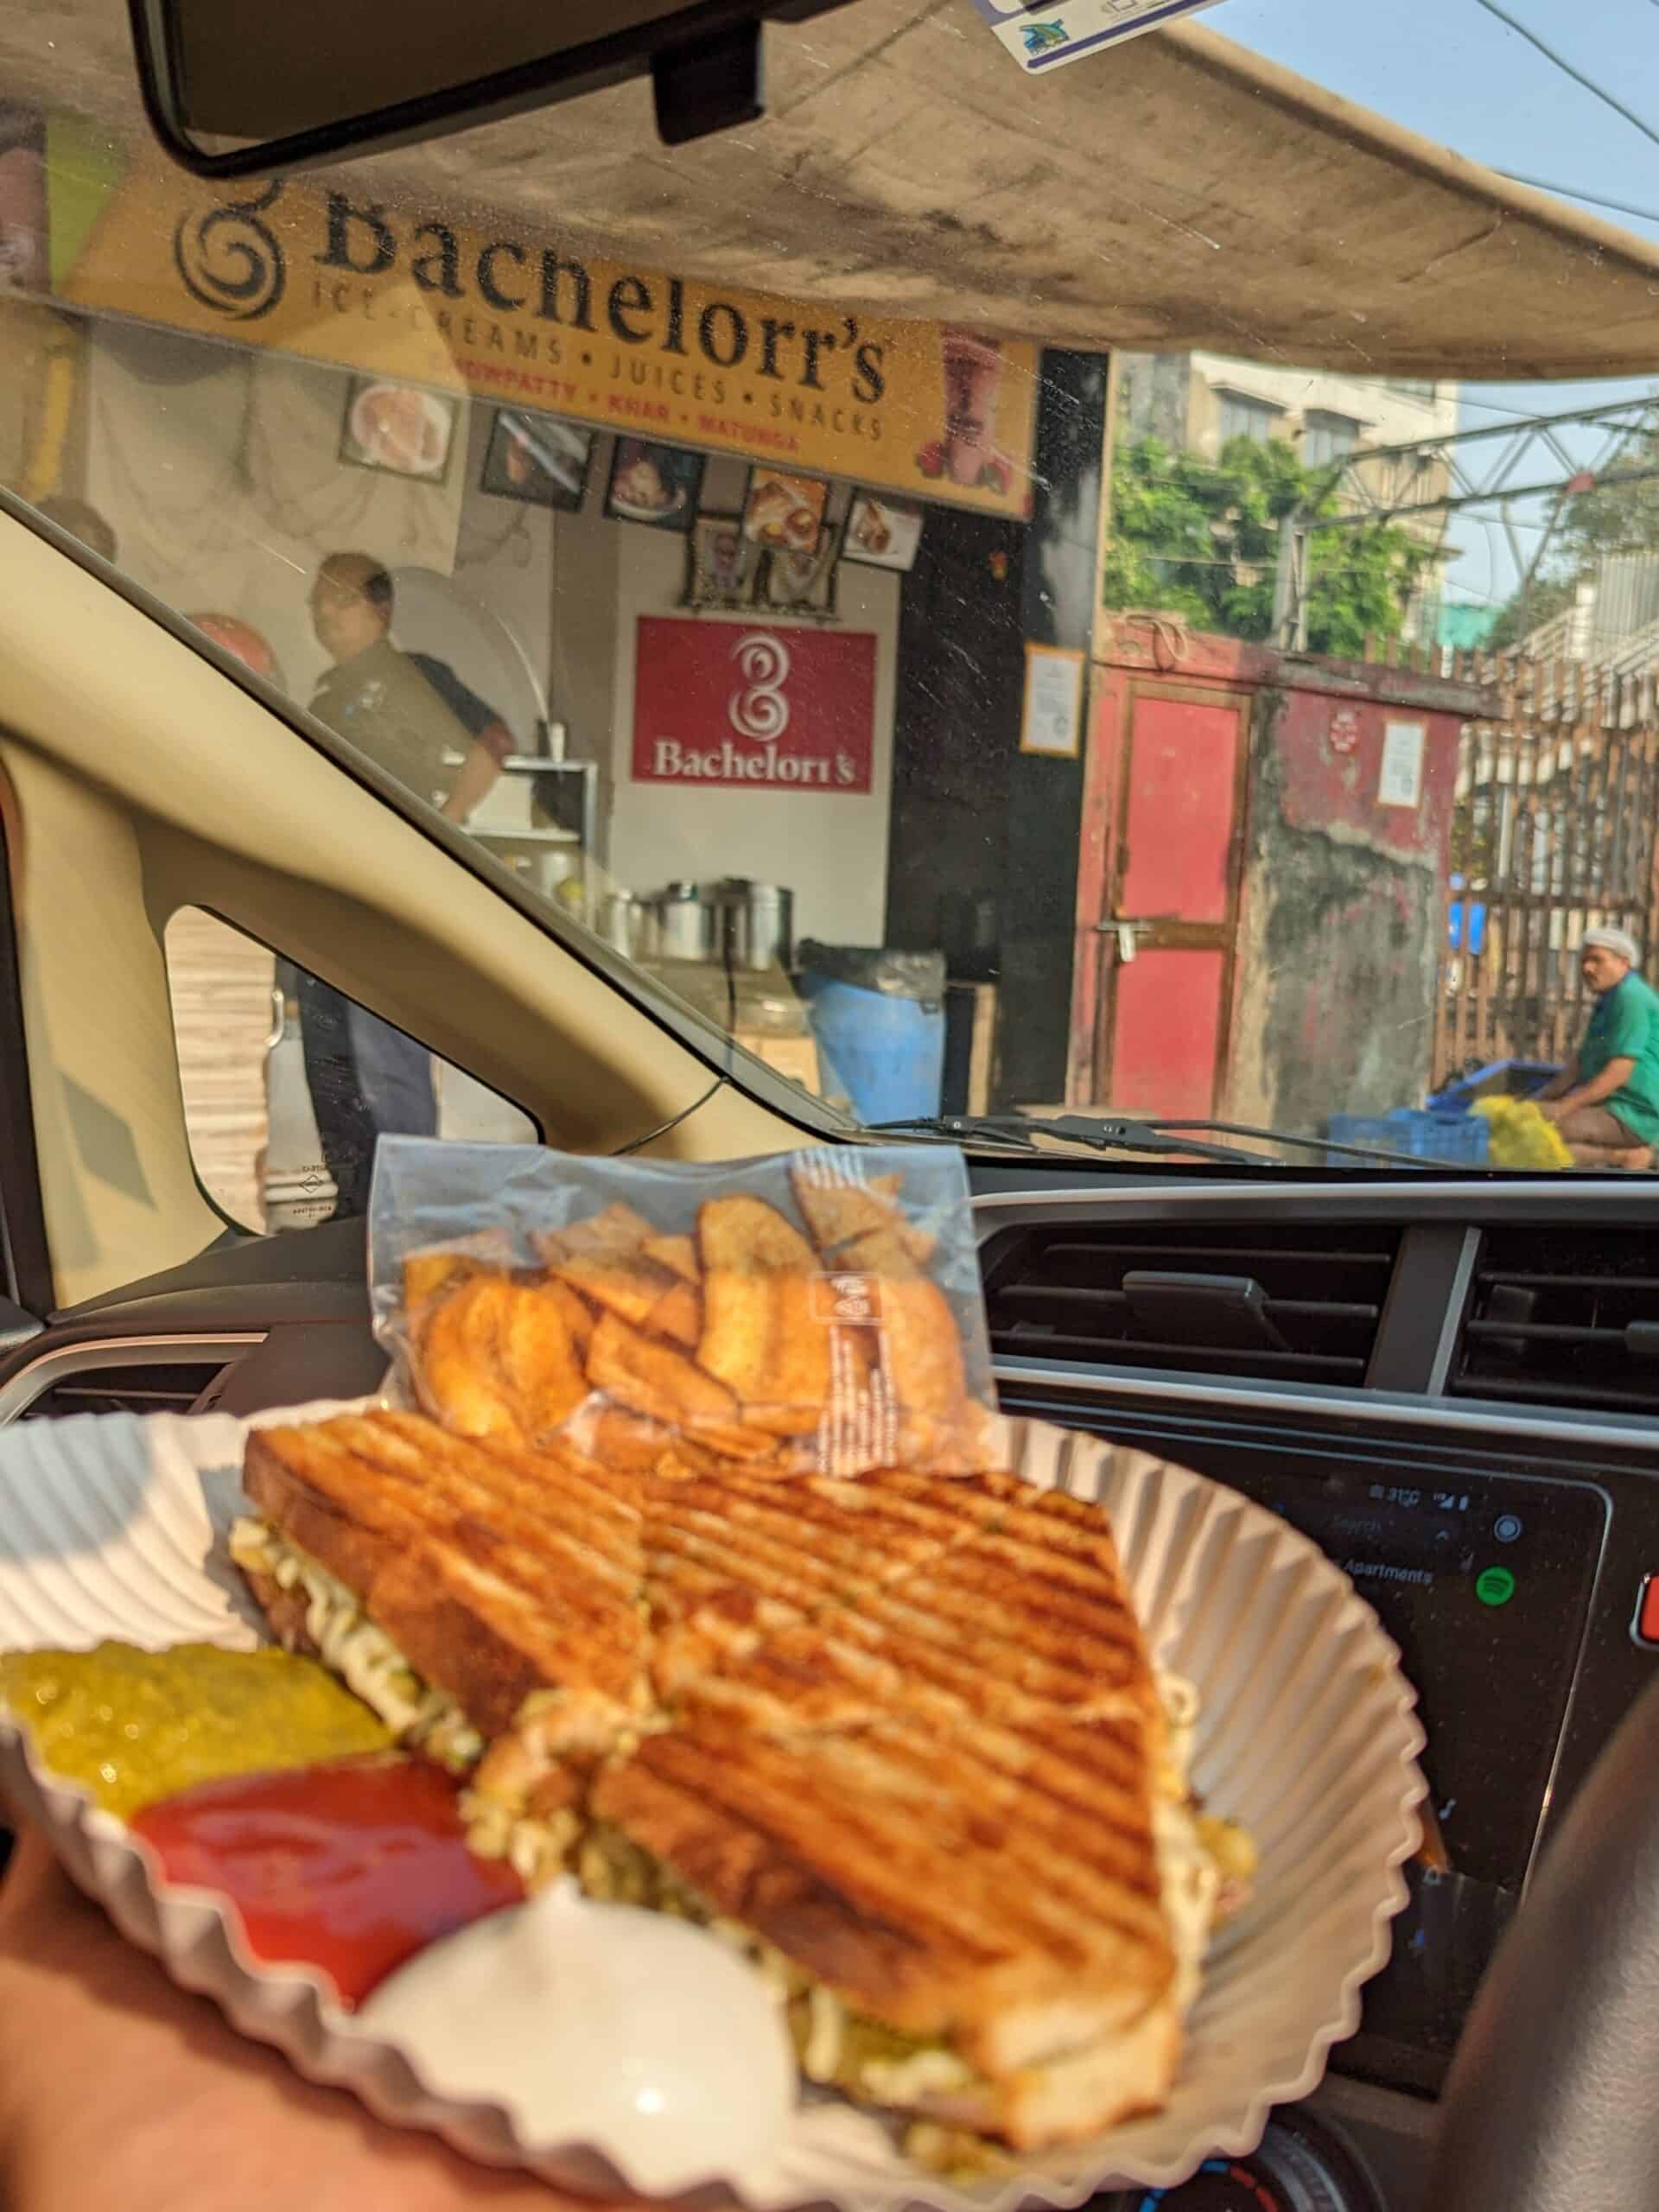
1521 1136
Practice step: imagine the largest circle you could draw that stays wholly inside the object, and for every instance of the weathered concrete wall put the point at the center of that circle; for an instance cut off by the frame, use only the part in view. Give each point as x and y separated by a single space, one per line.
1342 907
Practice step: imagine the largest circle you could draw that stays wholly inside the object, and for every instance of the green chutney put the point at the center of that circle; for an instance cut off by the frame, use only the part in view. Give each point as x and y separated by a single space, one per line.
135 1726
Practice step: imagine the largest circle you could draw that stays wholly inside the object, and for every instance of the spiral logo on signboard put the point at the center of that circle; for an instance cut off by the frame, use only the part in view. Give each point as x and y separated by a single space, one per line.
760 710
231 261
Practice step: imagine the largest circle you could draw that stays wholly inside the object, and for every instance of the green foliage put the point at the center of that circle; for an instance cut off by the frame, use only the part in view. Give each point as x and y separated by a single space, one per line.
1520 615
1620 518
1201 539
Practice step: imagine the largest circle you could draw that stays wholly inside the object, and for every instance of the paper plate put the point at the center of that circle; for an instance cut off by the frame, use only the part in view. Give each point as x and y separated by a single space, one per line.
114 1526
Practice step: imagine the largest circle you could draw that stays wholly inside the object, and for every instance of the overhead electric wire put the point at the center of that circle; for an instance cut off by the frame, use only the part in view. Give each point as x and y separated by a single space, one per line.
1568 69
1590 199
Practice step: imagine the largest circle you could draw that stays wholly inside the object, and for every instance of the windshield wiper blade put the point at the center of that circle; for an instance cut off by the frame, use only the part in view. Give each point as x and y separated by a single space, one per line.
1012 1130
1121 1133
1021 1132
1283 1136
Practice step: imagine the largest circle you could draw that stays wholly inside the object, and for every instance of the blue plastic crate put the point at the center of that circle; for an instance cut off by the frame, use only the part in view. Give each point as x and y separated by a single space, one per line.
1462 1140
1497 1079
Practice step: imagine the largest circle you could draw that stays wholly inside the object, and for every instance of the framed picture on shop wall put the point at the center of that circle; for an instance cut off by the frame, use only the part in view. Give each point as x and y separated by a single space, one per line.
399 429
658 485
882 533
722 567
804 582
784 512
537 459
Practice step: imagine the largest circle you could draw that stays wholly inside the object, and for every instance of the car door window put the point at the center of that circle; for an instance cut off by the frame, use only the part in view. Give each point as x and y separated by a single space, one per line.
288 1085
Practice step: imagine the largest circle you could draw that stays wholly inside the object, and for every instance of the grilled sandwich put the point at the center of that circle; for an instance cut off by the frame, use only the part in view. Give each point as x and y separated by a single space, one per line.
897 1737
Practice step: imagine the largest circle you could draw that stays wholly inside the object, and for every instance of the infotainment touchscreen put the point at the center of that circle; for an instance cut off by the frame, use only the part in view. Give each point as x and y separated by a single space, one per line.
1484 1583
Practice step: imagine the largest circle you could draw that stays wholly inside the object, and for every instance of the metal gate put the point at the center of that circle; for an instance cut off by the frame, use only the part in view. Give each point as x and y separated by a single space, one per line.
1555 830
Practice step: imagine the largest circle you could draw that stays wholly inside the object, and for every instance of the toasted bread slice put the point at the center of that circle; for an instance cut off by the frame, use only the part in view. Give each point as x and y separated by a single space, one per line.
615 1232
676 1315
578 1315
1062 2099
626 1284
499 1358
650 1377
837 1210
919 1345
814 1546
678 1254
540 1361
902 1732
1033 1618
766 1324
492 1582
921 1884
458 1363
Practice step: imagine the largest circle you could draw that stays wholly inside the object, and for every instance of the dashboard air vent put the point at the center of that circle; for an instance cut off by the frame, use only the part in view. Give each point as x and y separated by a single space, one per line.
1564 1317
1288 1301
170 1387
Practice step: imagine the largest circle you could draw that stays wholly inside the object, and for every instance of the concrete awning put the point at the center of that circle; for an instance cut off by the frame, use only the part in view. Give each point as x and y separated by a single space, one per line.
1178 191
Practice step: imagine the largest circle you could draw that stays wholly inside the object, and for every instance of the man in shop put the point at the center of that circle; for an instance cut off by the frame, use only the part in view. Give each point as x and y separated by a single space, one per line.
411 714
406 710
1606 1101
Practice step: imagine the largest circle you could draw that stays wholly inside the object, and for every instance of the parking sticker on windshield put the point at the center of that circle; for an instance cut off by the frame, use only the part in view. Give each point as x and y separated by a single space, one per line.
1042 38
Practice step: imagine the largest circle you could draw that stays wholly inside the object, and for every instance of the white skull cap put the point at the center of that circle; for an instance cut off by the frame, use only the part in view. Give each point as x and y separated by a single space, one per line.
1611 940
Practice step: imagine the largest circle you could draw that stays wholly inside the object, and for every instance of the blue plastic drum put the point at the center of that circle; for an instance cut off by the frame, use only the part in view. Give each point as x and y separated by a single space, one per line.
888 1052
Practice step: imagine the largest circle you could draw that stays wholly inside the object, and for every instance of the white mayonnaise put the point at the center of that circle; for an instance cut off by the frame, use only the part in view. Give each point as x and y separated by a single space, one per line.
601 2023
1191 1882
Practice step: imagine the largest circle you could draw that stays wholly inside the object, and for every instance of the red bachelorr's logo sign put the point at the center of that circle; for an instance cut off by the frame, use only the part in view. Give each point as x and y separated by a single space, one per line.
777 709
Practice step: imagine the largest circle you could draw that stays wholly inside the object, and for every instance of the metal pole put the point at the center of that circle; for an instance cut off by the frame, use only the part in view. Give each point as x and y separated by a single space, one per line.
1290 585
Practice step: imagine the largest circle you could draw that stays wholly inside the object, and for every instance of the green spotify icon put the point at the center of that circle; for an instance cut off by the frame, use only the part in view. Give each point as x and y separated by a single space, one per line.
1495 1586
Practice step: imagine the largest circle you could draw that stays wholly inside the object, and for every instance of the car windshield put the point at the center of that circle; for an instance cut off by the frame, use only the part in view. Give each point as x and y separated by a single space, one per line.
1057 572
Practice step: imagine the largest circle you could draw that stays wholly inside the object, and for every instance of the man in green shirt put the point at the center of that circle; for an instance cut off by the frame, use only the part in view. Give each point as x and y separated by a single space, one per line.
1605 1100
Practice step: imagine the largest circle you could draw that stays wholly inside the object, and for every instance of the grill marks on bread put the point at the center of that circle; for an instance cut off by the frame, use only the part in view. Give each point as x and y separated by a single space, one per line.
902 1729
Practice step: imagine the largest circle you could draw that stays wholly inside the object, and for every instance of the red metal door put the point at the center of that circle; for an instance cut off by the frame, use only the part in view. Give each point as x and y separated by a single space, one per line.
1167 925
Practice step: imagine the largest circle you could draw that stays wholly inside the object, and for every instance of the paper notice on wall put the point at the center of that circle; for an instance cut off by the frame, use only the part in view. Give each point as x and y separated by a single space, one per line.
1052 722
1040 38
1400 783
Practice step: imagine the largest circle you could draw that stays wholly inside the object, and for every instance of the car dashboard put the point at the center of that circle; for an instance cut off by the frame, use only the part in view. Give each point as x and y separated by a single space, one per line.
1449 1385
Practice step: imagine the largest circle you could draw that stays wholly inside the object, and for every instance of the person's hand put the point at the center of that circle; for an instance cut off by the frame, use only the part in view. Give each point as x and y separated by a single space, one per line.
1551 1109
118 2091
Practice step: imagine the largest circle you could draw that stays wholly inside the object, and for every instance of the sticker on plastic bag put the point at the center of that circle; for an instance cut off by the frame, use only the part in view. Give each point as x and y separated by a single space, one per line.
814 1312
1041 39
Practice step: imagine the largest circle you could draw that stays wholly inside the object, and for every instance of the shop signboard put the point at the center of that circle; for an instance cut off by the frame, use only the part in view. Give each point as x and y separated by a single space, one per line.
351 276
778 708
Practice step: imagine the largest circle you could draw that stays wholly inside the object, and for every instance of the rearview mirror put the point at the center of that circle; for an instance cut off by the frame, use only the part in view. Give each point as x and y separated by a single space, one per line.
245 87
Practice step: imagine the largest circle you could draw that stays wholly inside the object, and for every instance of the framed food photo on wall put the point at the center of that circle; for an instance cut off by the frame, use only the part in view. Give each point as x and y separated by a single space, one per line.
785 513
723 567
537 459
882 533
398 428
653 484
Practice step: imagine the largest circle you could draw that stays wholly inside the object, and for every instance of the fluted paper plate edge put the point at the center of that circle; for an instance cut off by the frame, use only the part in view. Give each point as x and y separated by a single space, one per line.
200 1946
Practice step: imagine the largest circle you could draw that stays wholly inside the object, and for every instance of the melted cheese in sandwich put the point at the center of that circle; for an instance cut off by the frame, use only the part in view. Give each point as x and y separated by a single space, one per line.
364 1657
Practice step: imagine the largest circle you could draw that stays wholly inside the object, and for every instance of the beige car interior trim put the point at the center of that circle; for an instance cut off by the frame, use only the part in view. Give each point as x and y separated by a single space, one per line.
143 778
